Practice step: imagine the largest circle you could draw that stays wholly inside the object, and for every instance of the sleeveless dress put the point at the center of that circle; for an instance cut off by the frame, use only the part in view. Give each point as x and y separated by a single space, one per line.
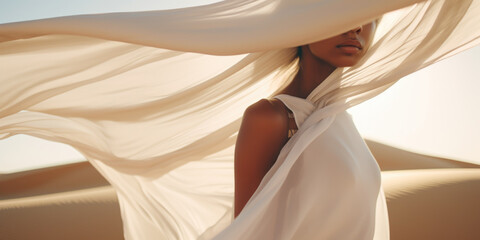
333 190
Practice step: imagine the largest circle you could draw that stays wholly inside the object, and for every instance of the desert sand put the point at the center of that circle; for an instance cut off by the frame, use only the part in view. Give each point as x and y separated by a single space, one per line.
427 197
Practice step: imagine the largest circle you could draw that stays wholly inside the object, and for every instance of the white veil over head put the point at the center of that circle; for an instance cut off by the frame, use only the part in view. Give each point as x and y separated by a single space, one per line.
161 124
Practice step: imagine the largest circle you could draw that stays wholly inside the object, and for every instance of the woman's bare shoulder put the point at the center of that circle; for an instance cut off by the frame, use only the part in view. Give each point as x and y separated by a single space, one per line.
267 112
266 119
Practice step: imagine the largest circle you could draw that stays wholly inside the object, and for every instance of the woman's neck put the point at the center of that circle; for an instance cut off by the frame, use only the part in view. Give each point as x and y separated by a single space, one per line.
313 71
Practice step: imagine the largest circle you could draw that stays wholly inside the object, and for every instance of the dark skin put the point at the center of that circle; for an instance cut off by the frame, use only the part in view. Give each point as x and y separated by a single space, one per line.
265 124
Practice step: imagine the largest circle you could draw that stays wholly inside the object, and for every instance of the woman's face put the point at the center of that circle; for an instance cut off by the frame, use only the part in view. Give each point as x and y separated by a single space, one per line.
346 49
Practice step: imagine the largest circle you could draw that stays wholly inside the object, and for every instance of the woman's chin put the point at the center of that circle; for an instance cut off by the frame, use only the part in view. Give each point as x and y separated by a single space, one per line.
339 65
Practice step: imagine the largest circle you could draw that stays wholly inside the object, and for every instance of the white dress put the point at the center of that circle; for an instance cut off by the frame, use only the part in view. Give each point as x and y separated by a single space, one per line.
332 191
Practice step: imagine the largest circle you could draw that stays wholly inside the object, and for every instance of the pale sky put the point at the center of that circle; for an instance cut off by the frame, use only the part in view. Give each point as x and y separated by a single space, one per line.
434 111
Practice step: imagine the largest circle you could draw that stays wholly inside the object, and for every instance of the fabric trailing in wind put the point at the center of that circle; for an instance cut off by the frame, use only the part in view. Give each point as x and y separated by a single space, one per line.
332 190
146 99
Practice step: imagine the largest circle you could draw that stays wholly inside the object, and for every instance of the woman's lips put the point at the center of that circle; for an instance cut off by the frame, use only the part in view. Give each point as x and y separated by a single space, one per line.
350 46
349 49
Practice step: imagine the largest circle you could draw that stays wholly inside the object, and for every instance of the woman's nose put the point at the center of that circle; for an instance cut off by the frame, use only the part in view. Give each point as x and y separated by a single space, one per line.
354 32
357 30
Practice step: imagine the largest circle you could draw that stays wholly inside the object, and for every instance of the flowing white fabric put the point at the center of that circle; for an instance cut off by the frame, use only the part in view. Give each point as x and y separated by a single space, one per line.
332 190
160 124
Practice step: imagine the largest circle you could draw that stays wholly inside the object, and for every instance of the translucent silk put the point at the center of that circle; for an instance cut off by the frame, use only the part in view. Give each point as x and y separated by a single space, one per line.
161 124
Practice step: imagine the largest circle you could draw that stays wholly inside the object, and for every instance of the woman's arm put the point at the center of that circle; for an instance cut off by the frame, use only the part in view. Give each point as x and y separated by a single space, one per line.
261 137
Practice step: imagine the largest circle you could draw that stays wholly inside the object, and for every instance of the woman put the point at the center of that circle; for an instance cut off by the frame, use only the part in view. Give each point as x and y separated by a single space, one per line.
266 125
353 179
165 139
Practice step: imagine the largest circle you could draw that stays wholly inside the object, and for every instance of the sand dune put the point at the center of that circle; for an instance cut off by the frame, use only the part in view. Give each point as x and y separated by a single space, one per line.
82 214
433 203
390 158
56 179
427 197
